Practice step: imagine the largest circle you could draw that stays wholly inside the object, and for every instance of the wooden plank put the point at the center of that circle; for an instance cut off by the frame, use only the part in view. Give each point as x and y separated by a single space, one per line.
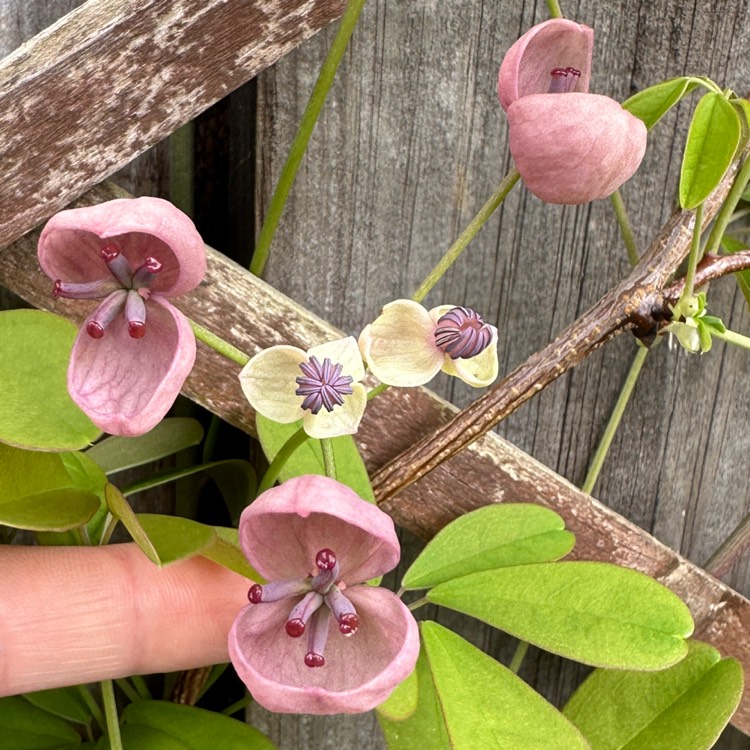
490 470
90 93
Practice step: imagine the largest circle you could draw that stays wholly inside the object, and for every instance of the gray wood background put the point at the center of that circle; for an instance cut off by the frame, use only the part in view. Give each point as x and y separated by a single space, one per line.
409 146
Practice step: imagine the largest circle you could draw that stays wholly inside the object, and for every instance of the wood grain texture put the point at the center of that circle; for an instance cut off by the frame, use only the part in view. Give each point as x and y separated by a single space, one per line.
90 93
490 470
408 149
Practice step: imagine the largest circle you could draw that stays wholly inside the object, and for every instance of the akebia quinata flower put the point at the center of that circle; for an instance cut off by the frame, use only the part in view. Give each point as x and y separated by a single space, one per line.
135 350
568 145
407 345
316 638
319 386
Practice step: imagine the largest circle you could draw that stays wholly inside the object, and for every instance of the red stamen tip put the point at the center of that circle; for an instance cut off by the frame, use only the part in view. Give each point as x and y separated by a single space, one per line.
152 265
136 329
109 251
325 559
295 628
314 660
57 288
94 329
255 594
348 624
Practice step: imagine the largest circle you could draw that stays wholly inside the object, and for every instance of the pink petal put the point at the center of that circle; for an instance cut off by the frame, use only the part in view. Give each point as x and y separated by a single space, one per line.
574 148
557 43
141 227
283 530
127 385
360 672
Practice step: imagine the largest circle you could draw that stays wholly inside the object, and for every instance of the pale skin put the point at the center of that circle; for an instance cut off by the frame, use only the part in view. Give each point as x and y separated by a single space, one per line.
71 615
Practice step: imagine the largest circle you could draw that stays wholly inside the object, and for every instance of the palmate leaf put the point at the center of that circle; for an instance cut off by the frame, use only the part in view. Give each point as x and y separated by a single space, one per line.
467 700
684 707
491 537
595 613
24 726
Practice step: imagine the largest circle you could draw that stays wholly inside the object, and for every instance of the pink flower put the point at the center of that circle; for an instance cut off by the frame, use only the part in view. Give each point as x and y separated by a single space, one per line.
317 639
135 350
569 146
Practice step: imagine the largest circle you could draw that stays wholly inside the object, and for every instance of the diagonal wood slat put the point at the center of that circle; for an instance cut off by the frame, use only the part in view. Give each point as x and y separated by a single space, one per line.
72 111
252 315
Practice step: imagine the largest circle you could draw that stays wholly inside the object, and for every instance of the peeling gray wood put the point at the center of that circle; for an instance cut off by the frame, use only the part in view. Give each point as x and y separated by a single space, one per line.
490 470
87 95
407 151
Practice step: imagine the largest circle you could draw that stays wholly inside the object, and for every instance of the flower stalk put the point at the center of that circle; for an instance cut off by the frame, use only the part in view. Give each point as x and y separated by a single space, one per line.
110 710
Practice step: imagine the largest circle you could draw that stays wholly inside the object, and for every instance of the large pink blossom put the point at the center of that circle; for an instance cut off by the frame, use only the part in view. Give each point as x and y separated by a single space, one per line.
568 145
317 639
135 350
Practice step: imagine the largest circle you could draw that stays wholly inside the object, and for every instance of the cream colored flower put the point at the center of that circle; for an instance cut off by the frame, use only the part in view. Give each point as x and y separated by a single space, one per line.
406 345
321 386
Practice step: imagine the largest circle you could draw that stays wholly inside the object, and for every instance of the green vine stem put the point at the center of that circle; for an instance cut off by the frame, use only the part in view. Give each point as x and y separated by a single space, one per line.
554 9
518 656
614 420
727 209
694 256
625 229
218 344
302 138
113 720
92 705
329 460
732 338
286 450
377 390
467 235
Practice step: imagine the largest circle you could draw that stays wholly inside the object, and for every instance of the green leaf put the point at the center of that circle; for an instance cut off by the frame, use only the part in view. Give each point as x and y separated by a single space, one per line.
743 106
47 491
120 509
491 537
485 705
175 538
425 726
711 143
684 707
225 550
651 104
402 702
732 245
36 410
308 458
189 728
26 727
171 435
63 702
595 613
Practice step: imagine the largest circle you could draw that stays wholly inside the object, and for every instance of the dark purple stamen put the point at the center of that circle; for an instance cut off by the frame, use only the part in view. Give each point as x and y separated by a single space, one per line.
135 314
297 621
325 559
255 594
85 290
564 80
343 610
142 276
462 334
322 385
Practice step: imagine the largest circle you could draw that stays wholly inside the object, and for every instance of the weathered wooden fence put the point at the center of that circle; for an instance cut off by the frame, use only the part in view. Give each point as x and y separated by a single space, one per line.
409 146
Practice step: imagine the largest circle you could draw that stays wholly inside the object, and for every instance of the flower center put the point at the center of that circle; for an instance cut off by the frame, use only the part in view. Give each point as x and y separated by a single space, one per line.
321 596
322 385
564 80
462 334
123 292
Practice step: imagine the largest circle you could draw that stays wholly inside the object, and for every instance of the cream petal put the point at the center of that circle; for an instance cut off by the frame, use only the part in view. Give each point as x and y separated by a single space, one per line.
343 420
399 345
268 382
477 371
344 352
